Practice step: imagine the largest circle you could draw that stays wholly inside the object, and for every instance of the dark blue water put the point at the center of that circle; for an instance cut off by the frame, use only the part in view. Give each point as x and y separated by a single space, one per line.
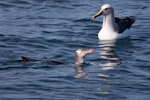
53 30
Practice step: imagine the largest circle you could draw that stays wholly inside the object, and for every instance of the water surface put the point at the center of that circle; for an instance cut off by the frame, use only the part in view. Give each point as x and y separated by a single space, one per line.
53 30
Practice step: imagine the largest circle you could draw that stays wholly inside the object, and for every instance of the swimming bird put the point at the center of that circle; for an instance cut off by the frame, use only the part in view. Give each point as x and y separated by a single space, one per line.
79 55
113 28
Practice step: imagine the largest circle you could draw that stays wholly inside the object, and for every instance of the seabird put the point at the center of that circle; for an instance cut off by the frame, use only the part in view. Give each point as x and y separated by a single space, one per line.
79 55
113 27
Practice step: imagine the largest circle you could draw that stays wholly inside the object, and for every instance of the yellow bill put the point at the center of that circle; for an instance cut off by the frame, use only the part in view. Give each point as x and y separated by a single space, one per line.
97 14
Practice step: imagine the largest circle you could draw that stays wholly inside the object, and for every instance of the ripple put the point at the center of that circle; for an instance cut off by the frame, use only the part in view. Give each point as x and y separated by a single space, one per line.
53 30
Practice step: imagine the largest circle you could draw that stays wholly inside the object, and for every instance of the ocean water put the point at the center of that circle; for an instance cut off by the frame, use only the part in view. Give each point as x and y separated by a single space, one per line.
53 30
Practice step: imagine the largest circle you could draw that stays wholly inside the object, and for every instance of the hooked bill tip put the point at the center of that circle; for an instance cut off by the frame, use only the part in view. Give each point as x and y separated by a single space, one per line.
93 17
92 49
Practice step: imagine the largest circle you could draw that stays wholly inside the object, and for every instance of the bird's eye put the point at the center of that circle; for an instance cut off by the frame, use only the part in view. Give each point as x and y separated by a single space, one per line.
106 8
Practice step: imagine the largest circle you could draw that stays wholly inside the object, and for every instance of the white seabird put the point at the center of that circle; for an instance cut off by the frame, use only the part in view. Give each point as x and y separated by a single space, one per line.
113 27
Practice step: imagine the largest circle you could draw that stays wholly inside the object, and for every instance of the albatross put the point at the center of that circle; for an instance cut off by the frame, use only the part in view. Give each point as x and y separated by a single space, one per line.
113 28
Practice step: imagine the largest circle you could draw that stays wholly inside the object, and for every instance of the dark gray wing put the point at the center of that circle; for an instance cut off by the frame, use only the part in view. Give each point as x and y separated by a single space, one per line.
124 23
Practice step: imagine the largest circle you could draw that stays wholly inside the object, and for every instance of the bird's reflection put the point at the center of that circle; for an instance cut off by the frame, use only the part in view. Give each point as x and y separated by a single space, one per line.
109 60
108 55
79 71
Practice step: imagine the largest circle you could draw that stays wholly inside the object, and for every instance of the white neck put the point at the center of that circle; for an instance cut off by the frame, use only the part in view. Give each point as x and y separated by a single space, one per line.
109 22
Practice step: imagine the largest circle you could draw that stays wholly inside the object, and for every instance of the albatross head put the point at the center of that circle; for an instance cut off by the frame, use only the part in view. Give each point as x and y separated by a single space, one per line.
106 9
